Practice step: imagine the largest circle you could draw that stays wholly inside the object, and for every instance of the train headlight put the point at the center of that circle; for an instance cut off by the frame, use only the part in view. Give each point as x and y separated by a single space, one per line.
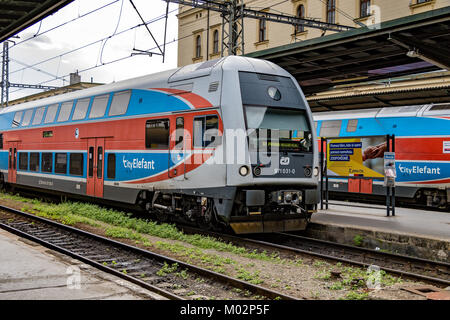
243 171
316 172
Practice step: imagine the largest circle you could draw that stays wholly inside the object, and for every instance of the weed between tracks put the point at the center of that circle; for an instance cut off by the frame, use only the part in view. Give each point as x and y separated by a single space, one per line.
294 276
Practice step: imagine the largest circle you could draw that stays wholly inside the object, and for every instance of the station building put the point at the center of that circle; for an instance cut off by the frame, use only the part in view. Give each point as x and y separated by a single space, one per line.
199 43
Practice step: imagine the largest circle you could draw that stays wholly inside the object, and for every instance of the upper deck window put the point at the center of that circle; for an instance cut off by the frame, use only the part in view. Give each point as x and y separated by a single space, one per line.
119 104
81 109
51 113
38 115
330 128
99 106
17 119
64 113
27 117
352 125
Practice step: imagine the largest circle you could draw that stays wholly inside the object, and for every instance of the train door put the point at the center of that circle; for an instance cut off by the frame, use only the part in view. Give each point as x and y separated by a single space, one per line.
95 174
177 151
12 162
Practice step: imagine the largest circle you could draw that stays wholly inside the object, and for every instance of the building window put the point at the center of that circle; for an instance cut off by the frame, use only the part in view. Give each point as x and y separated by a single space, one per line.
47 162
300 14
365 8
422 1
111 173
198 47
216 42
331 11
157 134
262 30
76 164
61 163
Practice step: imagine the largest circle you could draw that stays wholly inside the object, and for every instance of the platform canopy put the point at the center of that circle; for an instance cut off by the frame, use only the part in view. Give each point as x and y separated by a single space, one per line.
409 45
16 15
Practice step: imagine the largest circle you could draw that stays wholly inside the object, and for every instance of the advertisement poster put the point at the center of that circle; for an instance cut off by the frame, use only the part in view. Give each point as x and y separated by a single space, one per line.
356 157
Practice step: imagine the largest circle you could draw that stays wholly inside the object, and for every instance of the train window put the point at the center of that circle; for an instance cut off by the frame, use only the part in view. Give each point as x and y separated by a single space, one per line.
330 128
91 161
440 109
179 134
99 106
15 159
111 173
47 134
99 162
352 125
61 163
17 118
27 117
47 162
119 104
157 134
206 130
51 113
10 158
1 140
64 113
39 114
81 109
34 161
23 160
76 164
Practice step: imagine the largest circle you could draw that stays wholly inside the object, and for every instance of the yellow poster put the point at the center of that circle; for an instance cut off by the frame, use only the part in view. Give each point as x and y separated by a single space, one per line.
352 157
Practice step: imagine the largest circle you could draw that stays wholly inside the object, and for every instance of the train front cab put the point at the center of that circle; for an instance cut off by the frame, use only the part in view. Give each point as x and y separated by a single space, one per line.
277 189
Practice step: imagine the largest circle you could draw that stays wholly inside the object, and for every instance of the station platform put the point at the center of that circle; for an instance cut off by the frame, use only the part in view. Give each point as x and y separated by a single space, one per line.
29 271
411 231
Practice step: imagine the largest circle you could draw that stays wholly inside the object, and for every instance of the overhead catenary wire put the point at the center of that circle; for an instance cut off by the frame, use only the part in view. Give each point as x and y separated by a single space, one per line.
91 43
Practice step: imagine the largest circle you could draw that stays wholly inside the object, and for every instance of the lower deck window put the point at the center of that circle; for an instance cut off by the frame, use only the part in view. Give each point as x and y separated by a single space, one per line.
111 173
76 164
47 162
34 161
23 160
60 162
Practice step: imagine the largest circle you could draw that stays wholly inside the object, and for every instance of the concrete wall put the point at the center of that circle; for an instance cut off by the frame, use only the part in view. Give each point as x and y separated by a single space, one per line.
193 22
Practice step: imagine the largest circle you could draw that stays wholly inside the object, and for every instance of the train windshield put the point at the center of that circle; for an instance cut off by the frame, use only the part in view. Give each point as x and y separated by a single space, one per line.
270 128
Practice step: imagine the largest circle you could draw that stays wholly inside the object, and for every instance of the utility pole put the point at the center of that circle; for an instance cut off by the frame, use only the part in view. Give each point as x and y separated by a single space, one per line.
5 74
233 13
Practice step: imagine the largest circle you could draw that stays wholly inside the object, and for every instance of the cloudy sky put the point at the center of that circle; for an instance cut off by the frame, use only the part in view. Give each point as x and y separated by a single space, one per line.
46 50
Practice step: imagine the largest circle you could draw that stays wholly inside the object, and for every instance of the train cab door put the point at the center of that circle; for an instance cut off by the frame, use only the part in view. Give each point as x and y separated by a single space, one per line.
12 162
95 172
177 151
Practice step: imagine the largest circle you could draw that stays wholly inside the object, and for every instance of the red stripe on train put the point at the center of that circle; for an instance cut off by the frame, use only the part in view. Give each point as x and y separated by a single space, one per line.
196 100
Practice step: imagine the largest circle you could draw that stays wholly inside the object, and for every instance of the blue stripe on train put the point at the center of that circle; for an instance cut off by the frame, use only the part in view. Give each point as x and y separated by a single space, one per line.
421 171
400 126
132 166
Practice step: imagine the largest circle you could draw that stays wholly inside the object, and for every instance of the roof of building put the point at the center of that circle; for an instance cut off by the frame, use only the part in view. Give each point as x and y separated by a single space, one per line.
16 15
370 53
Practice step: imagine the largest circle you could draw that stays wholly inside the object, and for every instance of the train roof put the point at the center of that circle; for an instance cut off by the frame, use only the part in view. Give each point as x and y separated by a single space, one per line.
400 111
164 78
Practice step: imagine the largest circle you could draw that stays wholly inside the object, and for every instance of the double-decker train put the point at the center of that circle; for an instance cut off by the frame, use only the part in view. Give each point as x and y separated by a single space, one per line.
422 150
223 143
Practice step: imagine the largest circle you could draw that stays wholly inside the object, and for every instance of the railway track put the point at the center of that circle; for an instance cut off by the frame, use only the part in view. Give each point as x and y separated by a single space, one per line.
168 277
290 244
